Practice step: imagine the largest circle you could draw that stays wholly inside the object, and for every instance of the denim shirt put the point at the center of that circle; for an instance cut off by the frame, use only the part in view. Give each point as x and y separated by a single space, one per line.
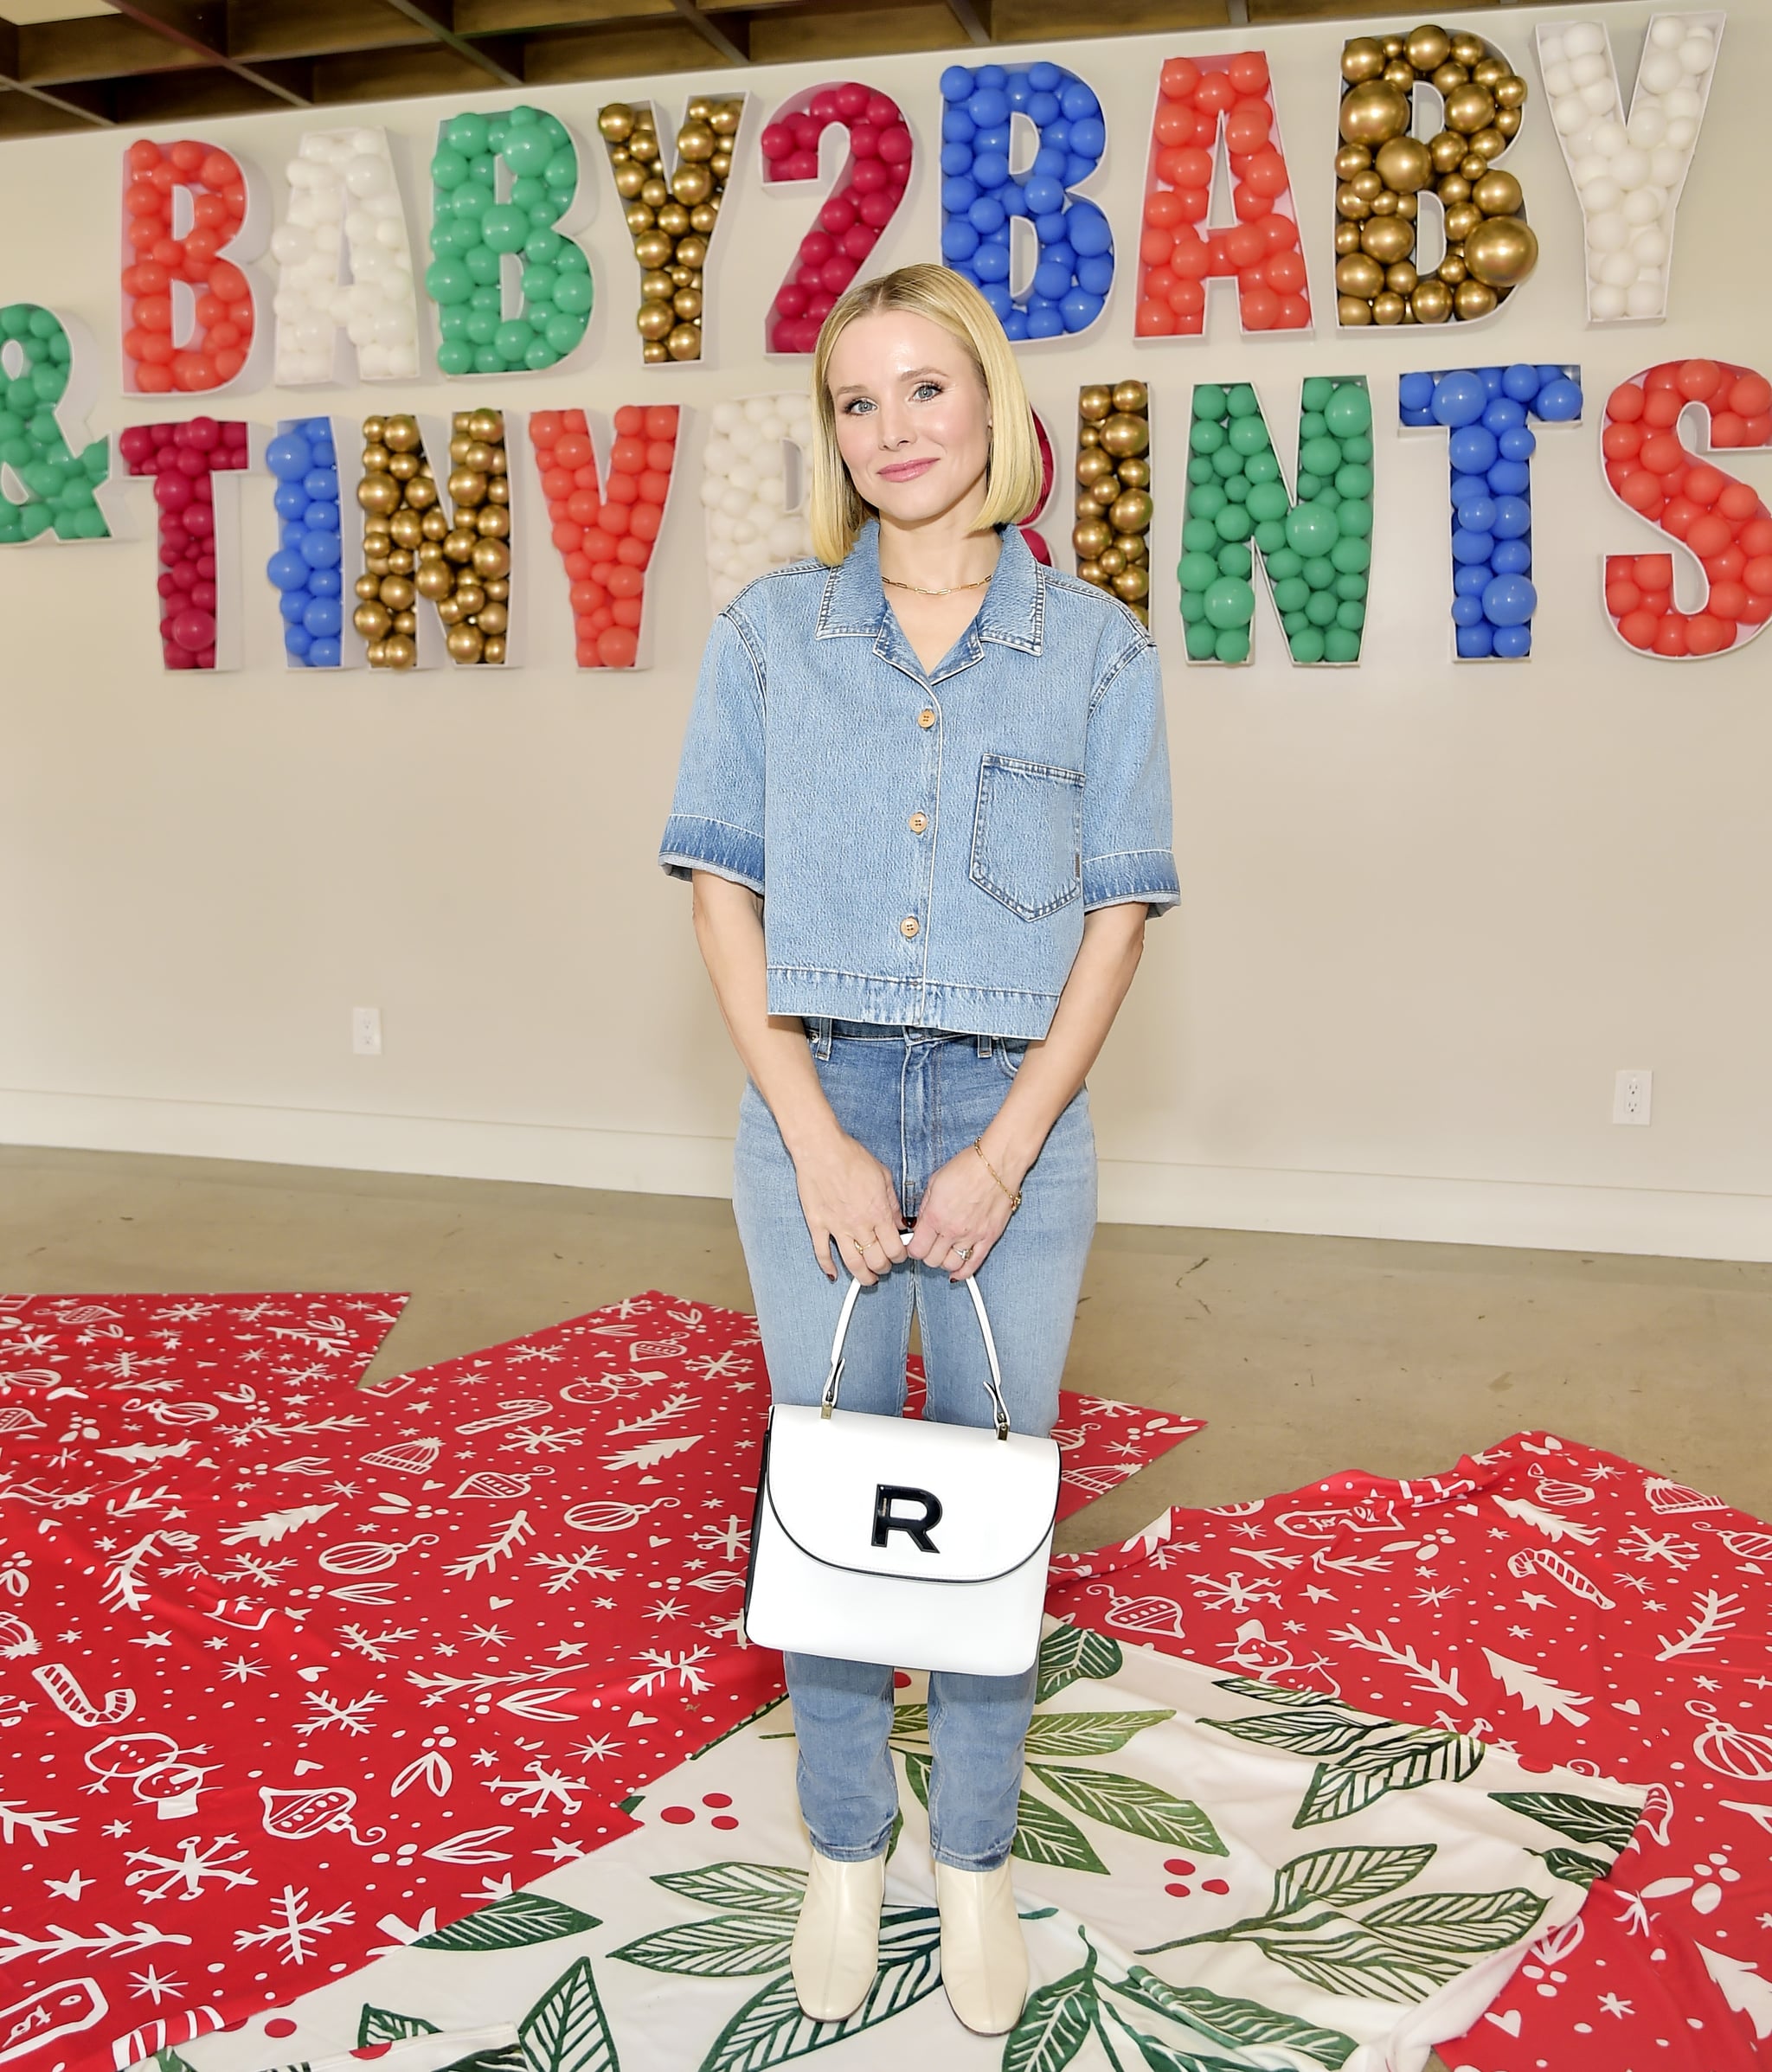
926 844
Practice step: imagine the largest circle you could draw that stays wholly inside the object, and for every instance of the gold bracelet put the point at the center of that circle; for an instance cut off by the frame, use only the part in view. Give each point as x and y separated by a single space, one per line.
1014 1194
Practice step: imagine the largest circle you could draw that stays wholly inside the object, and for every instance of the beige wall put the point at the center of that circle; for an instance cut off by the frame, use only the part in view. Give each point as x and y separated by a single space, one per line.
1428 910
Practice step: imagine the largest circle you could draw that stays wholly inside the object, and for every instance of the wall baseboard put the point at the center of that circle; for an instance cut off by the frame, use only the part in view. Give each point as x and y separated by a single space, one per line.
1520 1214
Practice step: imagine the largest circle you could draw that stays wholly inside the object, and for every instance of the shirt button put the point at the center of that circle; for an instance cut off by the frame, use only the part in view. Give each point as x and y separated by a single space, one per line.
908 926
926 718
918 822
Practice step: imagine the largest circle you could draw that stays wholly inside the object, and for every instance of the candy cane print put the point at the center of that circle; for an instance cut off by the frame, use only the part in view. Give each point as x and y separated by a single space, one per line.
59 1681
511 1412
1559 1570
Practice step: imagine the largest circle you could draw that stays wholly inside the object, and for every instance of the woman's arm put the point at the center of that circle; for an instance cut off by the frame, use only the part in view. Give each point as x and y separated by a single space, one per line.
844 1191
964 1205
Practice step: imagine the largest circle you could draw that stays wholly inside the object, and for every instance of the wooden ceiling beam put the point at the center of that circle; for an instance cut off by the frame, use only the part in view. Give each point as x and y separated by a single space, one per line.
262 30
500 57
80 104
973 16
202 25
626 50
516 17
731 41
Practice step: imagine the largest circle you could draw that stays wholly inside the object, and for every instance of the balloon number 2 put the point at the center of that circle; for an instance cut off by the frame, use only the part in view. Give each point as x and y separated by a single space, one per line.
868 190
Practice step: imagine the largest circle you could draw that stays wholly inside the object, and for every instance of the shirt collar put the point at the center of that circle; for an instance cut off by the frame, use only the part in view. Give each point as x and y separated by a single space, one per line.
1013 612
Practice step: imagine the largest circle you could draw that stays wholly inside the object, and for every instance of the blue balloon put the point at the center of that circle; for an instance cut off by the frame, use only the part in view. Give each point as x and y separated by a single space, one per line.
995 139
1096 274
323 616
289 456
1504 413
1513 641
321 484
1471 580
1077 169
1045 323
1520 443
1473 449
1415 417
287 570
296 639
1019 93
321 550
985 216
1513 517
1089 138
1509 600
1415 391
987 106
1014 200
1467 609
289 500
325 582
1048 163
1510 477
1521 382
1015 326
1079 309
1078 101
957 83
992 75
293 604
956 126
1471 545
1491 379
990 169
1511 557
1045 196
1479 514
323 654
1050 226
990 261
956 158
1560 402
315 427
959 239
1045 77
1057 136
1474 642
1458 398
1042 107
320 517
958 196
1052 278
996 293
1091 234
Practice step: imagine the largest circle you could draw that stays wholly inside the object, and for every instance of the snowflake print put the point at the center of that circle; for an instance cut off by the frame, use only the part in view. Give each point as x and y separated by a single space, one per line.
542 1786
294 1927
186 1872
569 1568
732 1540
350 1714
149 1984
682 1665
542 1439
1658 1547
242 1668
378 1647
1232 1594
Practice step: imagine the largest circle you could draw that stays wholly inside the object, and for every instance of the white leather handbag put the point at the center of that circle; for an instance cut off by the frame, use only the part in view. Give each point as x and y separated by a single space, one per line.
898 1540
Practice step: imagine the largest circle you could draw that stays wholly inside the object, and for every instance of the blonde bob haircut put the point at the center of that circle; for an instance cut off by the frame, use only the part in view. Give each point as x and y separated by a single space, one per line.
1012 471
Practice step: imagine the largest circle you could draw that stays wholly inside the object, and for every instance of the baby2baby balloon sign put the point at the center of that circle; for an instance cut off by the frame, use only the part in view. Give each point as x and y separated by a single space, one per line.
404 540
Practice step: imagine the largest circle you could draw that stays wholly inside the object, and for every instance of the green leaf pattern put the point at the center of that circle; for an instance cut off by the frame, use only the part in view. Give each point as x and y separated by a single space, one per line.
1070 1652
565 2030
508 1924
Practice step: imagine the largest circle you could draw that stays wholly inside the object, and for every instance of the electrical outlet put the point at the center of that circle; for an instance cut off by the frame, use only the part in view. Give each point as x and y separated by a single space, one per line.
1630 1096
366 1031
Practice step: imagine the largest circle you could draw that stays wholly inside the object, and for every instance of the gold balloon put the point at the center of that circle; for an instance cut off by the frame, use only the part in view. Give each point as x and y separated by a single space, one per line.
498 489
400 561
491 557
1490 72
1469 108
1131 511
1500 252
653 353
616 121
1404 165
1507 122
1388 238
1355 208
691 184
1090 537
1447 151
420 493
1111 560
1351 158
1132 584
1460 220
400 650
435 580
485 425
375 459
464 643
695 140
397 592
1467 49
1092 464
1362 59
639 219
1426 47
653 249
1095 401
467 485
376 654
368 588
1406 208
1510 93
1388 308
692 251
459 546
1447 79
1373 112
494 649
1134 472
1452 189
405 622
724 116
492 618
1124 434
1472 299
629 180
492 522
1131 395
371 620
1391 46
372 430
407 527
470 595
1358 274
687 304
1399 74
1402 278
1385 203
655 191
1431 302
1347 238
1489 143
673 221
401 435
1498 194
378 493
1351 310
1451 269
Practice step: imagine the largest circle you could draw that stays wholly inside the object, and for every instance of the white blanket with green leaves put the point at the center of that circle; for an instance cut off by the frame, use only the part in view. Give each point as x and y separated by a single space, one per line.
1216 1875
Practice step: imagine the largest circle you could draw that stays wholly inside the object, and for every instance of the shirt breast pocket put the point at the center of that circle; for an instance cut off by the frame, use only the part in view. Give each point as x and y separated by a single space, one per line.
1027 835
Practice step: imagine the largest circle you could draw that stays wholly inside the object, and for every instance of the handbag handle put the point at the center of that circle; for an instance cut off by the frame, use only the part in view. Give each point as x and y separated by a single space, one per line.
993 1386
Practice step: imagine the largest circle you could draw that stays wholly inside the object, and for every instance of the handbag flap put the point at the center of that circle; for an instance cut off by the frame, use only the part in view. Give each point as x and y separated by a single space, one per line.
895 1496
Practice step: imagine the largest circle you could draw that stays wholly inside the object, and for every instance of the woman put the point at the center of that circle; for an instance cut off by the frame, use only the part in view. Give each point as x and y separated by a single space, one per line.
924 803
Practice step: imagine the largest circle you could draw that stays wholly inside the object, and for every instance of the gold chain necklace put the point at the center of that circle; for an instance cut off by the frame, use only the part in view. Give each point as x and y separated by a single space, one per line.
954 590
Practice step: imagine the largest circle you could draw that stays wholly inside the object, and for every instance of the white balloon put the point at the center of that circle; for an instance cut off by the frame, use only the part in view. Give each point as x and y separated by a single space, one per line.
774 426
1589 170
1569 114
360 228
772 492
291 242
1696 54
1647 127
1647 298
1651 246
395 323
1682 133
1666 32
1558 79
390 232
1600 97
1618 269
1588 67
744 477
726 415
1606 303
744 436
369 175
742 529
1684 101
1666 165
1658 71
757 407
1644 204
1550 49
1599 197
1631 167
1608 232
1582 37
1608 138
734 502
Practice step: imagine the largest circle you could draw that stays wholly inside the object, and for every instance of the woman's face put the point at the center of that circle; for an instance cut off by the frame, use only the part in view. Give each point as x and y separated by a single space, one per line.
913 421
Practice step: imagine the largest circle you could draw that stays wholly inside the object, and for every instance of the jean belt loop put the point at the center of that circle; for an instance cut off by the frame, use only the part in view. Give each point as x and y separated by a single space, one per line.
821 1037
984 1046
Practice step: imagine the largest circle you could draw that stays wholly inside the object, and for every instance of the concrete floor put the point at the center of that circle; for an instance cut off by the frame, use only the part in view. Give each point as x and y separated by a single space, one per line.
1306 1354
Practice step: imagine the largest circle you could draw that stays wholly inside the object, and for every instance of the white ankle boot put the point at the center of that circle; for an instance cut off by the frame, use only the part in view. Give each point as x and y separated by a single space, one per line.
984 1958
837 1939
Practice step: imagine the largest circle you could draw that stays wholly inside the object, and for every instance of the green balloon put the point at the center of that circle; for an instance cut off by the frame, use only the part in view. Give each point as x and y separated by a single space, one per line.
1320 456
573 295
1232 644
1293 623
1352 555
1358 449
482 264
538 284
527 150
1352 480
472 199
1267 501
1202 642
1349 410
1340 644
1206 502
1349 585
1240 401
1249 436
1230 602
1227 463
448 169
1321 609
1234 559
1318 573
1316 392
1291 593
1196 571
504 227
1307 644
1200 468
448 280
1200 536
1270 536
1210 403
1350 613
563 333
455 356
1234 522
1354 516
1311 529
1207 437
511 341
482 327
467 134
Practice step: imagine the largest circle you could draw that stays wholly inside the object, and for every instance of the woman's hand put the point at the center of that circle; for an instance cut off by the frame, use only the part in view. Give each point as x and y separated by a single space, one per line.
964 1213
845 1193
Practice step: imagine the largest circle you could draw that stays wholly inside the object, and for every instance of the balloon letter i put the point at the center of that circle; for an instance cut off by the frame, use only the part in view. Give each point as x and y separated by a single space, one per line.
1490 446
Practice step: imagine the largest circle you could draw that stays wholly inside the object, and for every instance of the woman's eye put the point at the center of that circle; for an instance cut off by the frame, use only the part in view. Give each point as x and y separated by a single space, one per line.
859 402
927 388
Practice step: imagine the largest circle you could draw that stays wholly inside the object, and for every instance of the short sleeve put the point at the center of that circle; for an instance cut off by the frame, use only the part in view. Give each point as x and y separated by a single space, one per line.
716 814
1126 819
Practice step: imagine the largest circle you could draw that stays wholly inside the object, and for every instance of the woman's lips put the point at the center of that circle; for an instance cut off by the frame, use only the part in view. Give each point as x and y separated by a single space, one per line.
904 471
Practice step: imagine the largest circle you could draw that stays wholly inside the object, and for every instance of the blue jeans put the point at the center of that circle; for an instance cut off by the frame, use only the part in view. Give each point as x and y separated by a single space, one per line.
915 1097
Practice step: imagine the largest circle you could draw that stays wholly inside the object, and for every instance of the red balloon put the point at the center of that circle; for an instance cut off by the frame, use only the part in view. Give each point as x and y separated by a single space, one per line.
1248 71
1697 378
1749 395
1639 628
1624 404
1155 319
1259 305
193 630
1178 78
1670 635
